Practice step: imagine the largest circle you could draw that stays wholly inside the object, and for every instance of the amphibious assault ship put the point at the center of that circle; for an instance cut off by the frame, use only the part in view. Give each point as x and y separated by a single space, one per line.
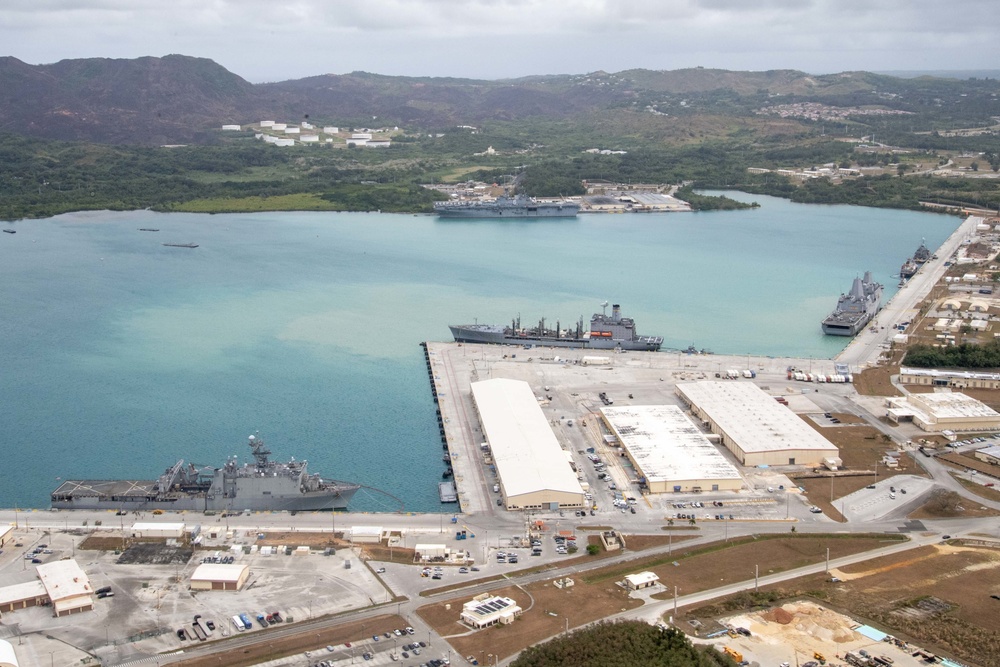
856 308
605 333
505 206
259 486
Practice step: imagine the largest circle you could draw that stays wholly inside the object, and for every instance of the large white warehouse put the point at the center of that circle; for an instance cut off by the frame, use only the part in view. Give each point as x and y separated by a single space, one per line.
755 427
670 452
533 470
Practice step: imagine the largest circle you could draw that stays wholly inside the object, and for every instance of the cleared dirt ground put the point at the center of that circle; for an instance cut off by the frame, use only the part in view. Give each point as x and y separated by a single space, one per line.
597 594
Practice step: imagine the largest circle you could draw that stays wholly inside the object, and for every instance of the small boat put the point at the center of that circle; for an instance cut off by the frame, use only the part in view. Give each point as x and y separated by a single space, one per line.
10 231
181 245
148 229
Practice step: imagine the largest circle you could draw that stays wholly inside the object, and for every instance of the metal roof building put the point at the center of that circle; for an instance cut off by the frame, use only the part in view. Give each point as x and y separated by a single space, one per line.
755 427
67 586
669 451
219 577
7 656
950 411
531 465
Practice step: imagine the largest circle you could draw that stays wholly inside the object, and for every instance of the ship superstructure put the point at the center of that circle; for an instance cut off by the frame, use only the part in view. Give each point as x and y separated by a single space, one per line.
606 332
856 308
263 485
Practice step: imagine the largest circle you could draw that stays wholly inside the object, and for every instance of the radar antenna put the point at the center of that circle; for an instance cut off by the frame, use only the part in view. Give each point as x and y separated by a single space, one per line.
259 450
604 308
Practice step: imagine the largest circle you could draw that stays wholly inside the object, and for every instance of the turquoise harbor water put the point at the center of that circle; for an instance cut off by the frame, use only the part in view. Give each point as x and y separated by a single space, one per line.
121 355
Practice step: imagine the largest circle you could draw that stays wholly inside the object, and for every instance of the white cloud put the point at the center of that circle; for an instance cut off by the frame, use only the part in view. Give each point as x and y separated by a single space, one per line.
503 38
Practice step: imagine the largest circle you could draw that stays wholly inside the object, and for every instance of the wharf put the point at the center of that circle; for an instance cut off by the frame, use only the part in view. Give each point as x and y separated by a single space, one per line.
864 349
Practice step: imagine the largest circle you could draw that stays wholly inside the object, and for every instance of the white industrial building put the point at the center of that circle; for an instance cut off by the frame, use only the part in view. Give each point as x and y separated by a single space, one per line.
232 128
989 455
530 463
330 129
949 411
366 534
6 533
67 586
668 451
22 596
7 656
219 577
487 609
158 530
309 138
754 427
949 378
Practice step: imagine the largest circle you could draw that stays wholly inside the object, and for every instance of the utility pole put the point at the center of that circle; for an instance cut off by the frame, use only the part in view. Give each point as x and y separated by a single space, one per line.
828 560
675 602
756 577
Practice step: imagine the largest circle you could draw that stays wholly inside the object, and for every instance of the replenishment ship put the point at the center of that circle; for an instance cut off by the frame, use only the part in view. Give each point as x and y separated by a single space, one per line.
605 333
505 206
856 308
263 485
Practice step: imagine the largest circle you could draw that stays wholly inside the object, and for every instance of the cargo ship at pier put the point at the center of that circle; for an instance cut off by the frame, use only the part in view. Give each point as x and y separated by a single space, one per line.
606 332
855 309
505 206
263 485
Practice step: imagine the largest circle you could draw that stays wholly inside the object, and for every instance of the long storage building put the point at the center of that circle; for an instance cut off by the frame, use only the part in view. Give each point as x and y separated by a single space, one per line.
669 453
532 467
754 427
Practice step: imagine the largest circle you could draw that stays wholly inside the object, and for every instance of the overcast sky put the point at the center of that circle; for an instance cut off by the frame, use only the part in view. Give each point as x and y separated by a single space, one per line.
492 39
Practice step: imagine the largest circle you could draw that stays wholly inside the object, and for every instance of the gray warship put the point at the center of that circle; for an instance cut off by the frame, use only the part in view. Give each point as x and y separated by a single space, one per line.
505 206
605 333
263 485
856 308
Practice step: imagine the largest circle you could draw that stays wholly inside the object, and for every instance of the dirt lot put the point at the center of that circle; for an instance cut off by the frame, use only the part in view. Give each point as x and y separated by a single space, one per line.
875 381
296 644
937 597
597 594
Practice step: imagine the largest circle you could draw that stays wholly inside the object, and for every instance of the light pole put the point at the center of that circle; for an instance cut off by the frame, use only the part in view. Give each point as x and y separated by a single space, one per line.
756 577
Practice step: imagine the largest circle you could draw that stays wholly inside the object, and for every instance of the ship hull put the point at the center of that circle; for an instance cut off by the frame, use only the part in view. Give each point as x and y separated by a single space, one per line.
472 211
471 334
104 495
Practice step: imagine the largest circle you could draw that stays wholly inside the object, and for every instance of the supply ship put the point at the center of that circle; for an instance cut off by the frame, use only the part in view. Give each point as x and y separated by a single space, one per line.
856 308
605 333
263 485
913 264
505 206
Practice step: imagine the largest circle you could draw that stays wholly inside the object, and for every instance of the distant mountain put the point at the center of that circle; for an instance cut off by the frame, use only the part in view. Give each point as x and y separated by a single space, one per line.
144 101
180 99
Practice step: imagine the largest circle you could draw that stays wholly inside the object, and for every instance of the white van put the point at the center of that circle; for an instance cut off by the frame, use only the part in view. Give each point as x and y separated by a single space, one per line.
238 623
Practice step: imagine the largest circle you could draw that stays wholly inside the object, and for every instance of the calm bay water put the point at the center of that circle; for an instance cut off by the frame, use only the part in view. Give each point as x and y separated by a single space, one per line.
121 355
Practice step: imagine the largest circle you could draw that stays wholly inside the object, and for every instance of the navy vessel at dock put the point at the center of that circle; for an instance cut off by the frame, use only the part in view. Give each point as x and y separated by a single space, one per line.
605 333
505 206
263 485
856 308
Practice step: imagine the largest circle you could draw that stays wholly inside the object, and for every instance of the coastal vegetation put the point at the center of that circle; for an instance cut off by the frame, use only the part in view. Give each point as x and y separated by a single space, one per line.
986 355
706 129
622 644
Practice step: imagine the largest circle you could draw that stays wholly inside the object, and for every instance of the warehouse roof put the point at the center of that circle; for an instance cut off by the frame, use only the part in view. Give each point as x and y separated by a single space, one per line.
218 572
666 445
752 418
952 406
525 451
64 579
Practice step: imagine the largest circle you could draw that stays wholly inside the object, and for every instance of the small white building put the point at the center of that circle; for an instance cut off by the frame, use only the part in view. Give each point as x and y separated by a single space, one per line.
267 123
366 534
361 136
331 129
6 533
641 580
487 609
309 138
157 530
219 577
232 128
279 127
292 130
67 586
